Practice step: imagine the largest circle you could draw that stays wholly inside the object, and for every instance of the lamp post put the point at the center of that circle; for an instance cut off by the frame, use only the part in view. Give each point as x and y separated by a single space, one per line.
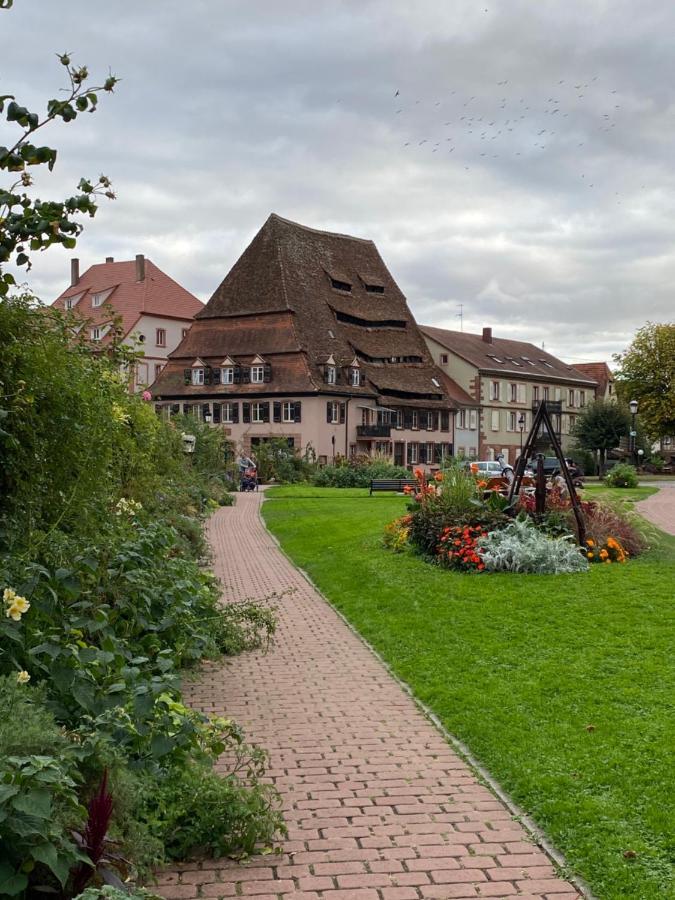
521 426
633 433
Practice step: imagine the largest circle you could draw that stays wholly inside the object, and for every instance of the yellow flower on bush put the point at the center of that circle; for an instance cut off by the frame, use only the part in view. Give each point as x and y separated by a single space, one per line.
119 415
23 677
15 606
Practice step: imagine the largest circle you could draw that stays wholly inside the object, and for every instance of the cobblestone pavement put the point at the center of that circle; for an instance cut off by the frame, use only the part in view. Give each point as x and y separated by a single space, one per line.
378 805
660 507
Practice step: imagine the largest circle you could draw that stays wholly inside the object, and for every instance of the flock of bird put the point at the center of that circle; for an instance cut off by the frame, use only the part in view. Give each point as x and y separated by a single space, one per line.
504 122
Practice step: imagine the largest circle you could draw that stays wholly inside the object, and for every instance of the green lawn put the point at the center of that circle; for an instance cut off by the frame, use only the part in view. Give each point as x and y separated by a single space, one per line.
519 667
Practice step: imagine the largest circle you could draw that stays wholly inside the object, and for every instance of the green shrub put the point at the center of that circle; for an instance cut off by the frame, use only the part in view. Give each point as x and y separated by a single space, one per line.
357 474
622 476
277 461
522 547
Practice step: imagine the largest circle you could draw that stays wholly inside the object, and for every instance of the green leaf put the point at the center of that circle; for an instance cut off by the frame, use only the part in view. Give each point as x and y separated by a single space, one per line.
34 803
48 854
7 791
11 882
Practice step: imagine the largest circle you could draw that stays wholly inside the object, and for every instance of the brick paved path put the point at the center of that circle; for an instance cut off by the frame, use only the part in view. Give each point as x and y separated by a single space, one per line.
378 806
660 507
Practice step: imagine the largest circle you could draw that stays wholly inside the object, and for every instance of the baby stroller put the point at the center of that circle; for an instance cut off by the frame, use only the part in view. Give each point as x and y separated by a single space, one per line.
248 480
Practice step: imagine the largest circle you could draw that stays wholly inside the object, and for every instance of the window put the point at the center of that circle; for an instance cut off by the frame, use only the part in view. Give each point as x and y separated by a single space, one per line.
287 411
461 418
494 390
414 420
582 398
227 375
257 374
494 358
158 369
546 393
412 455
573 422
473 419
69 303
430 452
198 376
444 359
546 363
495 420
375 288
183 332
333 412
511 422
399 419
96 334
230 413
341 285
445 420
97 299
258 412
435 382
331 375
355 377
513 388
160 337
535 394
570 397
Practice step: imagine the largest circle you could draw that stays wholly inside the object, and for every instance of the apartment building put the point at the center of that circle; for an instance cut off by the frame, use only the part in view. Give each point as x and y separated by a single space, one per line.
506 379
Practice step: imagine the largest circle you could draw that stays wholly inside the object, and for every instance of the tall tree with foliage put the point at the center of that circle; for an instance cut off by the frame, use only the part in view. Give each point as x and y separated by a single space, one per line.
647 374
601 426
27 223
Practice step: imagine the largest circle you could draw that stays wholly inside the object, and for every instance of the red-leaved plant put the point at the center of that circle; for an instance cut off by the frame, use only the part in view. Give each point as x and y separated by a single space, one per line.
96 844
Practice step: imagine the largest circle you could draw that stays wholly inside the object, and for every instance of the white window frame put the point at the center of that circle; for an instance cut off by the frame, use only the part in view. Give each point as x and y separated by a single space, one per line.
495 390
226 413
512 421
462 419
257 374
473 419
257 413
399 419
582 398
68 303
288 411
414 449
197 376
513 391
331 375
160 332
334 412
430 453
355 377
96 333
227 375
97 299
547 394
522 393
535 393
414 420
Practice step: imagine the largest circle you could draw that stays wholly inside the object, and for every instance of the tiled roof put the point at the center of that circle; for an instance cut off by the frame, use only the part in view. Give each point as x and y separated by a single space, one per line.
157 294
518 358
317 294
598 371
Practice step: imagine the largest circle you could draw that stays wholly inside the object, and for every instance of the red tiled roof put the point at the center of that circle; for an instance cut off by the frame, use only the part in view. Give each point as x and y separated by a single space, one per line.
598 371
156 295
502 355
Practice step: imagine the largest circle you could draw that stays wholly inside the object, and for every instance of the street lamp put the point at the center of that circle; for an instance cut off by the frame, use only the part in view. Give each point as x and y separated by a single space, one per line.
521 426
633 433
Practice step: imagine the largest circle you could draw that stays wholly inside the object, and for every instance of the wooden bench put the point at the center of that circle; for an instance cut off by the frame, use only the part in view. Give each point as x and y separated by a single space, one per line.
391 484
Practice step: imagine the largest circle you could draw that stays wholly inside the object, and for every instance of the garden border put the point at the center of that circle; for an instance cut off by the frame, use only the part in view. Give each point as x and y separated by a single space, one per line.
481 773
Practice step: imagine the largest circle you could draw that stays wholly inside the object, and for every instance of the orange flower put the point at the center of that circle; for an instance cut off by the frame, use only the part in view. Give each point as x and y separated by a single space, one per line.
590 542
482 484
438 476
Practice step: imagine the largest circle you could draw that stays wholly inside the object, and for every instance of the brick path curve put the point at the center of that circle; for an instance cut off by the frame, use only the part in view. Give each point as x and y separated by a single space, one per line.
378 805
659 509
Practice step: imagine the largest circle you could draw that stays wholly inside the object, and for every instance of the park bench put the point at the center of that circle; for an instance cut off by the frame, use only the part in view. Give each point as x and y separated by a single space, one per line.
391 484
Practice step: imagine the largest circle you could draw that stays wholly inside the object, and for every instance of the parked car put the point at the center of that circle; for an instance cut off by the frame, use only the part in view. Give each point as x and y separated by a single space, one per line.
488 467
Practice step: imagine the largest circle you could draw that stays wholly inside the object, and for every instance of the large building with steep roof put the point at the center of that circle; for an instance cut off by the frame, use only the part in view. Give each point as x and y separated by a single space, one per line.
506 379
309 338
154 311
603 375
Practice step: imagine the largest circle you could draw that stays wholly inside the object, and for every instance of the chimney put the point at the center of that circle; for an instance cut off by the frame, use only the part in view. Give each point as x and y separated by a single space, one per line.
109 259
74 272
140 267
487 335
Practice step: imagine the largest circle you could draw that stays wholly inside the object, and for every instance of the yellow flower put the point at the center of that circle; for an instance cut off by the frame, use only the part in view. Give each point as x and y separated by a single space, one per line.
8 596
590 542
604 554
119 415
17 608
23 677
589 555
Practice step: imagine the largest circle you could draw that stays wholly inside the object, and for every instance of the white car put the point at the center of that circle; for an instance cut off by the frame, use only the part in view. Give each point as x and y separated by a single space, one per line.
490 468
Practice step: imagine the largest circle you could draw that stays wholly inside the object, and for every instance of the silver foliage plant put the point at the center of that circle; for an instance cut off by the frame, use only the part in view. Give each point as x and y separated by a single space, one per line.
522 547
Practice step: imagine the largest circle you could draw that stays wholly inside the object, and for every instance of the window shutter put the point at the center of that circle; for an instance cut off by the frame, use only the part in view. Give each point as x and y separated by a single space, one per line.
329 412
265 412
245 375
237 375
216 413
276 411
207 375
521 393
495 420
343 411
175 409
235 413
325 374
473 419
445 421
267 372
297 412
246 412
215 376
187 375
556 394
423 453
407 419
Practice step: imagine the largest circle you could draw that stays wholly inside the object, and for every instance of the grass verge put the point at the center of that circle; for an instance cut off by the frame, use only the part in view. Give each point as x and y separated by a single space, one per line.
561 686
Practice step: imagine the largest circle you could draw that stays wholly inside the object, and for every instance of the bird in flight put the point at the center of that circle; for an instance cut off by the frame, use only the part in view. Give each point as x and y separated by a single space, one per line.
397 93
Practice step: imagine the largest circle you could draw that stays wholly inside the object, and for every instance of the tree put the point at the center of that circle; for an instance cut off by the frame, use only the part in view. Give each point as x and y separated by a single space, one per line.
601 426
29 224
647 374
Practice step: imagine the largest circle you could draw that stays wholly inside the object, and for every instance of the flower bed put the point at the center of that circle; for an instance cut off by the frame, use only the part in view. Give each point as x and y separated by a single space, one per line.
459 521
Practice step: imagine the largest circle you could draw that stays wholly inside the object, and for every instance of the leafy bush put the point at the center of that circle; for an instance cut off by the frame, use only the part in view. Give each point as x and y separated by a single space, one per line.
397 534
108 892
604 522
622 476
522 547
357 473
277 461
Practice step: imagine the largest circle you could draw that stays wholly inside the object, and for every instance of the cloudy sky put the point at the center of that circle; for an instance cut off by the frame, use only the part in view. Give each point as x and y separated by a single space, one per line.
512 157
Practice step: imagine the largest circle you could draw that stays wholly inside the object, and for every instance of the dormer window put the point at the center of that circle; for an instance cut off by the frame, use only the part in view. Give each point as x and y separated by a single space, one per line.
69 303
331 375
96 334
375 288
257 374
227 375
355 377
343 286
97 300
198 376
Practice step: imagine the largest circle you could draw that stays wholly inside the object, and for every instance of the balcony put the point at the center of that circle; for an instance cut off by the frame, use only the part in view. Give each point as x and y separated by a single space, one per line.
373 431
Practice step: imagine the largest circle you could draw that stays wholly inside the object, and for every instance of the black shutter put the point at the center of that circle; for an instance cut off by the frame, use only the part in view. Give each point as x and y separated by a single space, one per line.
343 409
215 375
423 453
276 415
445 421
246 412
237 375
205 409
325 374
407 418
265 412
297 411
207 375
424 420
216 413
329 412
245 374
235 413
175 409
267 372
187 409
187 375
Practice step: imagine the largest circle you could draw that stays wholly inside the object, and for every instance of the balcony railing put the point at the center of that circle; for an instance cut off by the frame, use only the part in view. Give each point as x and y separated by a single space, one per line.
373 431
